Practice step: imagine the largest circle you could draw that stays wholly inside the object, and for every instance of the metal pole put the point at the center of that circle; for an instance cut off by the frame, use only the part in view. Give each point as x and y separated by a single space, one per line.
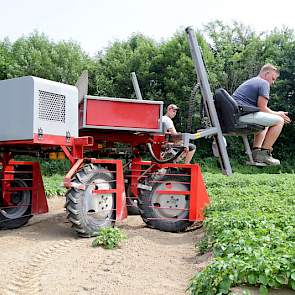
82 85
136 86
208 98
248 149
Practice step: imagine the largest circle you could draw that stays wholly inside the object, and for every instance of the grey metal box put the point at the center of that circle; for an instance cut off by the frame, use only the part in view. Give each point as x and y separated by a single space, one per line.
30 105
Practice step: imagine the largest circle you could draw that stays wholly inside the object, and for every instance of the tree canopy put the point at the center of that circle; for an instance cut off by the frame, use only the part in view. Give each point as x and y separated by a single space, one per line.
232 54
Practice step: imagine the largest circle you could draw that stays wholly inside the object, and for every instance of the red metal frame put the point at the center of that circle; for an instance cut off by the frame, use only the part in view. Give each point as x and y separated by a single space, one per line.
74 149
134 139
109 116
118 113
198 196
44 140
119 190
39 202
121 209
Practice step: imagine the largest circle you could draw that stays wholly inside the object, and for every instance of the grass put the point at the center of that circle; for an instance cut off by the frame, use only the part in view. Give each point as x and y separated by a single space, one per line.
212 165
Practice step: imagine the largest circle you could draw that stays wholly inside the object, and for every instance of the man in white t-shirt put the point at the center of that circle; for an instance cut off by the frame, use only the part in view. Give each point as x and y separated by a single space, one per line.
168 127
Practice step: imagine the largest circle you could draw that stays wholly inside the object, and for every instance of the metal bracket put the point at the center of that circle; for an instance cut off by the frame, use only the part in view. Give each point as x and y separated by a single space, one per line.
68 136
40 133
145 187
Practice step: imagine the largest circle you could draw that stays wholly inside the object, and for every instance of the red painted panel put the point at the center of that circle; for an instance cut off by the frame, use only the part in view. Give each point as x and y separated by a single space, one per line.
199 198
122 114
121 209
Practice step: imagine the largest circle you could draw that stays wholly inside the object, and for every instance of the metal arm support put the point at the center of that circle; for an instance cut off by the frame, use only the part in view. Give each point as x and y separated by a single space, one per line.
208 99
186 137
136 86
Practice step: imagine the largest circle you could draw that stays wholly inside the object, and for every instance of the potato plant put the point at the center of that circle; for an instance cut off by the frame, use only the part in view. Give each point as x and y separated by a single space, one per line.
109 238
250 228
54 185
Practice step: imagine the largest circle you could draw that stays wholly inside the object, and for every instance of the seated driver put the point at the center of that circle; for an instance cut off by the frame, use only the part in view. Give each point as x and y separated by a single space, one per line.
255 92
168 127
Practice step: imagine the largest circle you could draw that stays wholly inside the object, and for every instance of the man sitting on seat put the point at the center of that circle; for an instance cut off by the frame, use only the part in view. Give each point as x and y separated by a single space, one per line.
168 126
255 92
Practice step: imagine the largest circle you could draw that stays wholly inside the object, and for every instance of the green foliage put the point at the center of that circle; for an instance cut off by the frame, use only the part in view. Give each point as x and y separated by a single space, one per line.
52 167
239 54
48 167
53 172
109 238
54 185
251 228
212 165
232 54
36 55
113 69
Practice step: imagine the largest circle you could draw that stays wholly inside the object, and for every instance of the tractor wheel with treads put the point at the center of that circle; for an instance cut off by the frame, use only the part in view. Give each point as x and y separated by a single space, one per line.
131 201
88 211
19 212
166 212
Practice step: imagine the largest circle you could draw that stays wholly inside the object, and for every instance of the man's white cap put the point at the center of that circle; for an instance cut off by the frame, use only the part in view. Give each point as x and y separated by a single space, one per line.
172 106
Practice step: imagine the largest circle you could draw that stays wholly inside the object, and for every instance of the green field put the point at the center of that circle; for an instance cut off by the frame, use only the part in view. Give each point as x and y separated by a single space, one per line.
250 227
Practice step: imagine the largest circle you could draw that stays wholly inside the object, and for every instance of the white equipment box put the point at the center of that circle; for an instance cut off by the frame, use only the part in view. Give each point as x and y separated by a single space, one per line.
33 108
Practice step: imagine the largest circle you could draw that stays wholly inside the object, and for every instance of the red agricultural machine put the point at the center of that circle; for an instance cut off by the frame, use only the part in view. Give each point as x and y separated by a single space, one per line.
105 140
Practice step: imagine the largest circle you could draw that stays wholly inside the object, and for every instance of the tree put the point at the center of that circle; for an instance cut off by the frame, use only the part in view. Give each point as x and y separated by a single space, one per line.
113 68
4 58
37 56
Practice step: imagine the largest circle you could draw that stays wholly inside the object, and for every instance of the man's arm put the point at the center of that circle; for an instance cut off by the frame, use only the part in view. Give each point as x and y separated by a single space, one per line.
262 105
172 130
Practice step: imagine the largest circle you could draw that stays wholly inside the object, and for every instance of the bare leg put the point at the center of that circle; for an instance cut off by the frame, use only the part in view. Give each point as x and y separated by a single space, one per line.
272 135
259 138
189 156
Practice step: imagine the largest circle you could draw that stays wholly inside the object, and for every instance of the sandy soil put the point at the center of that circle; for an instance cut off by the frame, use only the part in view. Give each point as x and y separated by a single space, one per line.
46 257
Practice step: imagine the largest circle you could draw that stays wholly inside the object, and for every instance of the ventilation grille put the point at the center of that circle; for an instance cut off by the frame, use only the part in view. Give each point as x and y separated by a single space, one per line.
52 106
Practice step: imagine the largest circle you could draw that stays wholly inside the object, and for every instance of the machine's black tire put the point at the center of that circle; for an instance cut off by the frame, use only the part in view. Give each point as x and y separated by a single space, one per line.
11 218
147 200
131 201
77 201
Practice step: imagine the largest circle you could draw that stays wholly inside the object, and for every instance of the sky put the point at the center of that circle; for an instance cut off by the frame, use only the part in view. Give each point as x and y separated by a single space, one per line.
95 24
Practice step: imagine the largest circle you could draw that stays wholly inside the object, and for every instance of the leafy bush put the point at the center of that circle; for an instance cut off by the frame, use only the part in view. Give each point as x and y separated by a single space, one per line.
250 227
54 185
109 238
48 167
52 167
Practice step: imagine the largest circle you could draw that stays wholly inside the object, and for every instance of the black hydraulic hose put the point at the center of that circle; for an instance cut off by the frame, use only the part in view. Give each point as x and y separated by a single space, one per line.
162 161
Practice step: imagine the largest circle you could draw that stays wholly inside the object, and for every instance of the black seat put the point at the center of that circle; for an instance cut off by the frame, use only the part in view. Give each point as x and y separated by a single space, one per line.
229 112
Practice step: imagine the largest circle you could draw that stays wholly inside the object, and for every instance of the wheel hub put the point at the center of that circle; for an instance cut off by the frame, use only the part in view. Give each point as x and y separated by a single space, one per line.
170 205
16 198
98 206
20 199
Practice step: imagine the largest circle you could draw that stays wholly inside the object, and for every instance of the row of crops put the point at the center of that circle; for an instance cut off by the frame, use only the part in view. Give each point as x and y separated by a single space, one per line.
250 228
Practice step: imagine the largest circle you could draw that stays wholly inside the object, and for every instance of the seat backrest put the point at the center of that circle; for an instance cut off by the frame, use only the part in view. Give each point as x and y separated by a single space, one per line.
227 110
